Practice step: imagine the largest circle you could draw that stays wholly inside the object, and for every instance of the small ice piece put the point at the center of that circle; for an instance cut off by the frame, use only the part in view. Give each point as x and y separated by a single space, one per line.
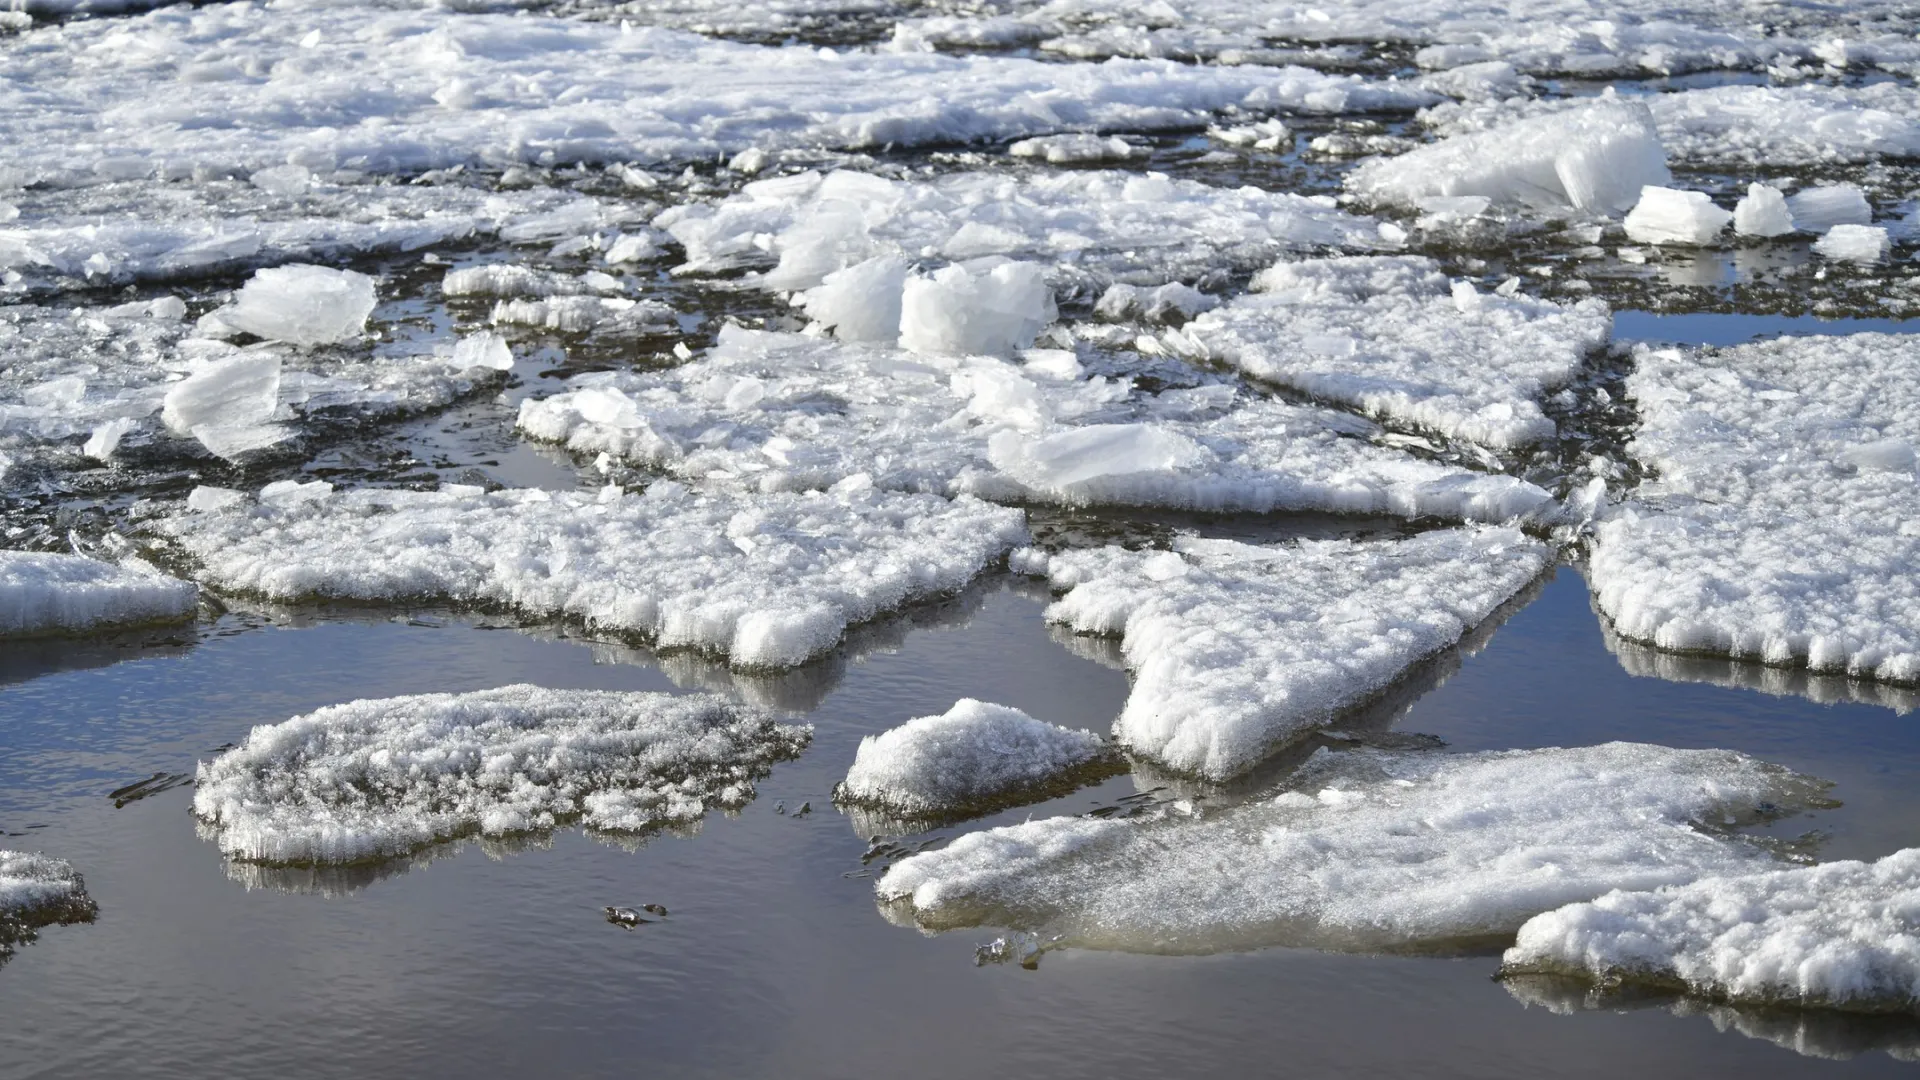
1073 149
1074 457
1122 301
990 311
1262 135
1762 211
205 497
106 436
632 247
861 302
43 592
508 279
749 161
484 349
1365 850
1855 243
1669 216
583 314
1836 936
975 757
302 304
1818 209
228 404
35 891
378 778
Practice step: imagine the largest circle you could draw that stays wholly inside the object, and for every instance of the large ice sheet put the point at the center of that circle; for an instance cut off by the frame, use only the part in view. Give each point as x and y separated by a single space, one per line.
378 778
784 412
1367 850
1839 935
1779 525
1391 336
44 592
38 890
972 757
1238 649
767 580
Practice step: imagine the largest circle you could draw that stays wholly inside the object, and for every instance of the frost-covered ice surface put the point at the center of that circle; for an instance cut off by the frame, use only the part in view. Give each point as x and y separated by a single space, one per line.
973 756
1779 527
767 580
1367 850
43 592
1391 336
1670 216
1236 649
378 778
1839 935
38 890
783 412
302 304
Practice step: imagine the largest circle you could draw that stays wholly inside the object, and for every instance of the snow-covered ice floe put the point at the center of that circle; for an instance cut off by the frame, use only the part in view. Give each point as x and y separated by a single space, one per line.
43 592
1839 935
1389 335
38 890
1647 662
1367 850
974 757
1780 525
382 777
774 412
768 580
1238 649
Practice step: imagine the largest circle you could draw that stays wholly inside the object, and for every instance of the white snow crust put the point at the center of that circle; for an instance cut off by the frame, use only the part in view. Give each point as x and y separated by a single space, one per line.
975 754
43 592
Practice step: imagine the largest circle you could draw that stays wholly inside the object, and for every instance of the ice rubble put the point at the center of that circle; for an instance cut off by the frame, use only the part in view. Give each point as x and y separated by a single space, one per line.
1670 216
1780 525
768 580
783 412
974 756
1236 649
1838 935
43 592
1366 850
379 778
1390 336
37 890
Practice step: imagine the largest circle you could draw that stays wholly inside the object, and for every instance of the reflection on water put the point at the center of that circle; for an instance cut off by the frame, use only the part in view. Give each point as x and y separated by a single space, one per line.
1646 661
22 660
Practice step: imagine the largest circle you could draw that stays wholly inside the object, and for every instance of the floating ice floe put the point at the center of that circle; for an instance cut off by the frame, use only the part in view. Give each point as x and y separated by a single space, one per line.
1368 850
972 758
302 305
767 580
38 890
1840 935
1074 149
782 412
44 592
1238 649
1778 528
383 777
1762 212
1390 336
1855 243
1828 206
1669 216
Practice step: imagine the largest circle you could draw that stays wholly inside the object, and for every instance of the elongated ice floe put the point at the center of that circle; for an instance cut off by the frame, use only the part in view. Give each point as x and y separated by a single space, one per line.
975 756
35 891
781 412
1778 528
382 777
44 592
767 580
1840 935
1237 649
1368 850
1391 336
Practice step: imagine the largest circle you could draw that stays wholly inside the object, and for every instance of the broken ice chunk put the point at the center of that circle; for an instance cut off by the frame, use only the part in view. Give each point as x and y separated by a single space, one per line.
302 305
484 349
1762 211
965 309
860 302
1668 216
35 891
44 592
1072 149
973 758
228 404
1818 209
1855 243
106 437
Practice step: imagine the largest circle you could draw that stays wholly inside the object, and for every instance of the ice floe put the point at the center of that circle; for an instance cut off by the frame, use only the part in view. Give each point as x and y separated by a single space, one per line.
38 890
767 580
971 758
1367 850
1237 649
378 778
44 592
1670 216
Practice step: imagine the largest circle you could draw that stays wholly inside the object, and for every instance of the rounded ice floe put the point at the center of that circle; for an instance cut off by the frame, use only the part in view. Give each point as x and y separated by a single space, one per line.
38 890
1365 850
43 592
1839 936
1855 243
1669 216
302 304
768 580
972 758
378 778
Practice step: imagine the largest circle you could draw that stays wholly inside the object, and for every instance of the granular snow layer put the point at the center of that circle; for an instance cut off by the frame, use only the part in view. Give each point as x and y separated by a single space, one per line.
43 592
975 755
1780 527
37 890
767 580
378 778
1368 850
1390 336
1237 649
784 412
1840 935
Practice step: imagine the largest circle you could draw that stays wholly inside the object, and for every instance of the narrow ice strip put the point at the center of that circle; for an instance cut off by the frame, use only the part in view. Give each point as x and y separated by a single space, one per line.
1777 529
767 580
43 592
975 756
786 412
1238 649
1367 850
1391 337
38 890
1840 936
382 777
